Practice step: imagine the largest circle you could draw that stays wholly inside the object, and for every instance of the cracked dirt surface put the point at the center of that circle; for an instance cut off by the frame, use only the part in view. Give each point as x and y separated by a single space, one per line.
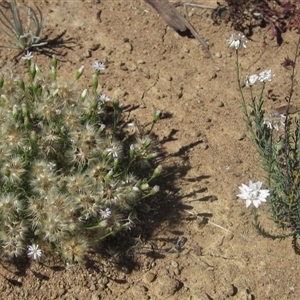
206 153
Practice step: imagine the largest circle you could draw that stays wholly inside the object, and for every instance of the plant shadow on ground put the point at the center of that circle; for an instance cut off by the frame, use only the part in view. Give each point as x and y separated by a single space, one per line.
54 46
162 212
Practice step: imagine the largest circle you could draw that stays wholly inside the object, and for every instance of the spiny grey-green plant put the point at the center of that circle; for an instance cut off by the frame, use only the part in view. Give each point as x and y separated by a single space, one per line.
22 37
276 134
71 169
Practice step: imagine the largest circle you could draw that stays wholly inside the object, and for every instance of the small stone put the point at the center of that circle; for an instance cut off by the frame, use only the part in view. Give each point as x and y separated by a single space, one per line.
241 136
96 297
140 62
87 54
174 264
213 75
123 67
204 146
149 277
218 55
128 46
196 133
221 104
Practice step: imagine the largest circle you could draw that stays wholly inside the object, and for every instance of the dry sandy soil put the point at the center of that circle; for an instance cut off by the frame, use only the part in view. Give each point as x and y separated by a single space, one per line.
206 152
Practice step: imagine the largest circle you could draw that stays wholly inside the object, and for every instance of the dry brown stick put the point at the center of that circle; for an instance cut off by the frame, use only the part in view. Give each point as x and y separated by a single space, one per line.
176 21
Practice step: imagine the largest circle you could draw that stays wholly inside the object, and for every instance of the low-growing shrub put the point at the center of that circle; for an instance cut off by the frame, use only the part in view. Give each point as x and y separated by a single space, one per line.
71 168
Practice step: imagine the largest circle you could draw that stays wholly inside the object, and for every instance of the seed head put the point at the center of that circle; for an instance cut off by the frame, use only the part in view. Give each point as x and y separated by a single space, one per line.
74 248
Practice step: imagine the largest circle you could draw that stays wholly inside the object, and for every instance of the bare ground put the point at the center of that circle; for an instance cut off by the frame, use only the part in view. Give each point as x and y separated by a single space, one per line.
206 152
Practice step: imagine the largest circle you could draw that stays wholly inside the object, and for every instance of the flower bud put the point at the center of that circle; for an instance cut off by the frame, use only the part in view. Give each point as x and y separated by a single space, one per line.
94 82
151 155
116 163
15 112
156 116
79 72
54 62
144 186
83 94
33 137
132 150
109 174
53 73
26 122
155 189
32 72
101 128
24 110
157 171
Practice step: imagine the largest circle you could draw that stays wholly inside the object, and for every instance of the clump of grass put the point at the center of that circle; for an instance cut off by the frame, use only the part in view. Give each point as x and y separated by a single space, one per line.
21 37
276 135
71 173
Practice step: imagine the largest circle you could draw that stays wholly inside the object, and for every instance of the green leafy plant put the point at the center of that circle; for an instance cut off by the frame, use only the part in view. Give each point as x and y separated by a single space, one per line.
72 170
276 135
21 37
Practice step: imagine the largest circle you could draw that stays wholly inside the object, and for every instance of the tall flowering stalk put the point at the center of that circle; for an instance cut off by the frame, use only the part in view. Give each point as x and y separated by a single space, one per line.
277 139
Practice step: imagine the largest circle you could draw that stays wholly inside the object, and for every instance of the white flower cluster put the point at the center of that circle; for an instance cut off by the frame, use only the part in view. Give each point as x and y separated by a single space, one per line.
237 41
263 76
274 120
253 194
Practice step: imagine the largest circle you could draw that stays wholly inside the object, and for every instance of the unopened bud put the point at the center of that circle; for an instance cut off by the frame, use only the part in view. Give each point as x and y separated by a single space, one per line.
144 186
24 110
79 72
116 163
156 116
151 155
53 73
15 112
54 62
83 94
155 189
32 72
26 122
94 82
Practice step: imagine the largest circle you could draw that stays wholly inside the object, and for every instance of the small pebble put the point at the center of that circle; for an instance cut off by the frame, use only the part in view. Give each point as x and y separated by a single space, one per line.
204 146
149 277
241 136
218 55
